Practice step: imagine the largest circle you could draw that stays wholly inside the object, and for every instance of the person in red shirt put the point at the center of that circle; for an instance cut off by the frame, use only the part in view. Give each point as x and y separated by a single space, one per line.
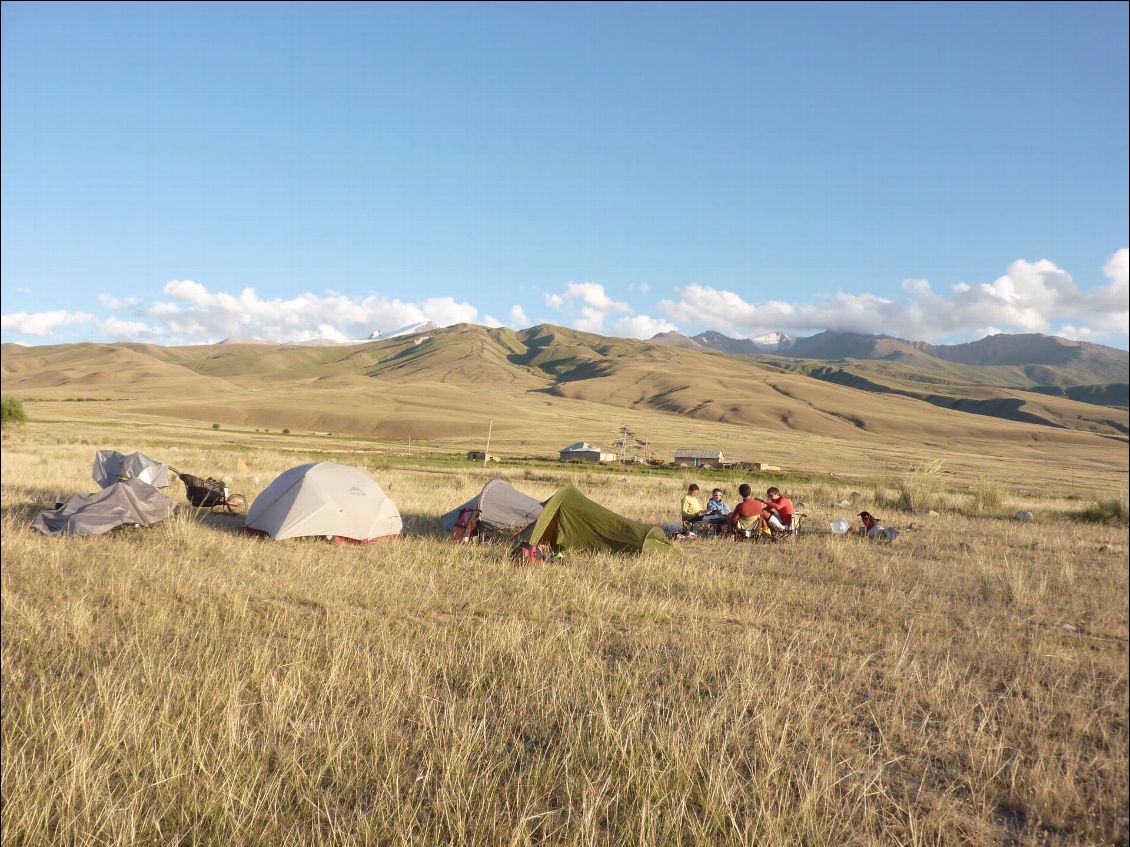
779 510
747 514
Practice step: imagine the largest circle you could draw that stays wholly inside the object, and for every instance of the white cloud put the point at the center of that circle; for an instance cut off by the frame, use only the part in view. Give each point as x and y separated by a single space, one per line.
119 329
1078 333
161 309
591 320
1029 297
197 314
591 294
586 305
641 326
491 321
519 317
1117 270
42 324
112 302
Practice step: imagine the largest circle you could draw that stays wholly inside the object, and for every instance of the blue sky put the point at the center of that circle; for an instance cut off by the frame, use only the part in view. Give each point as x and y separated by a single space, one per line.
187 172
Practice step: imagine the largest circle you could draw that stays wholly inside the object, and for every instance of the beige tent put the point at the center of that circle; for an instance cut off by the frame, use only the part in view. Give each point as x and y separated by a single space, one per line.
324 498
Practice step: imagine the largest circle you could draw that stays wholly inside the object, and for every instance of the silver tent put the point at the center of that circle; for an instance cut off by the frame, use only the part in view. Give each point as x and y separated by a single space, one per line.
501 509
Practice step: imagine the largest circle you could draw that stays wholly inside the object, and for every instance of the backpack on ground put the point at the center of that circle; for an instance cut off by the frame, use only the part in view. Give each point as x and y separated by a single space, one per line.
466 525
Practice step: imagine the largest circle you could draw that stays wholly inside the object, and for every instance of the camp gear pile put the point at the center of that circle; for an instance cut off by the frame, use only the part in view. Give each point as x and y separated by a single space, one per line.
127 503
203 493
110 466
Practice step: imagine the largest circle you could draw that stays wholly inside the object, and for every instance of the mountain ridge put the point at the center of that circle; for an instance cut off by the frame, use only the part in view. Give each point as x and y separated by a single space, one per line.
469 369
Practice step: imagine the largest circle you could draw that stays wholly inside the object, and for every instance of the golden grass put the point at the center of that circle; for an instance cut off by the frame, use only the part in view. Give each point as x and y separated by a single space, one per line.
189 685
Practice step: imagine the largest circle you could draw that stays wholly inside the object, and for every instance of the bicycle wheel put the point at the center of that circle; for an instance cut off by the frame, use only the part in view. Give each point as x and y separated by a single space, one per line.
236 504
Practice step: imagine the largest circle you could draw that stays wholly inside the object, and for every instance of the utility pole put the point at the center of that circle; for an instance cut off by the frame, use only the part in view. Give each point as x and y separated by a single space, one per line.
486 455
624 433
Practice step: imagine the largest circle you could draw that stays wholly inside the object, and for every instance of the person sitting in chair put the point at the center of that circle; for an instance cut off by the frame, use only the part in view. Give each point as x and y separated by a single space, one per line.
717 512
779 511
746 516
691 508
716 509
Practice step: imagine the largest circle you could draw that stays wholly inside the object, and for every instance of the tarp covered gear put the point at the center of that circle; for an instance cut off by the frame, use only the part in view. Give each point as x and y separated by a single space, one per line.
131 502
571 521
499 509
110 466
324 498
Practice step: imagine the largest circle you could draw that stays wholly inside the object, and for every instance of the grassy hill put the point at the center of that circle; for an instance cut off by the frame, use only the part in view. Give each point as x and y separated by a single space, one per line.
541 388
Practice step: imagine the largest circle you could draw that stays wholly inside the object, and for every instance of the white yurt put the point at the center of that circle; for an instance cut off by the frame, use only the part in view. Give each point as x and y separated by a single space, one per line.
326 499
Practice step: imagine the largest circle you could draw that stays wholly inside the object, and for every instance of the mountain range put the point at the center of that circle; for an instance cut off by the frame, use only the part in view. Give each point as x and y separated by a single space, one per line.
1045 359
858 383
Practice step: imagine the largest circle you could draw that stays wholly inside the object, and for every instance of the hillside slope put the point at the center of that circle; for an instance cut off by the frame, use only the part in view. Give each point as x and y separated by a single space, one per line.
438 384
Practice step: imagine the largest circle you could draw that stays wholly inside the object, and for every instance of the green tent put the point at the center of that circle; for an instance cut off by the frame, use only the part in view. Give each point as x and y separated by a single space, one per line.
571 521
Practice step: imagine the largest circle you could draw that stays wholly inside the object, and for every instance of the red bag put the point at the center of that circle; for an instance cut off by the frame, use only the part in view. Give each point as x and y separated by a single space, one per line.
465 525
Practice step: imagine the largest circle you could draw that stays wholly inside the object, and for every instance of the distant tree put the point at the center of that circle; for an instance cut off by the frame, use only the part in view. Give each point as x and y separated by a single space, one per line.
12 411
286 432
215 426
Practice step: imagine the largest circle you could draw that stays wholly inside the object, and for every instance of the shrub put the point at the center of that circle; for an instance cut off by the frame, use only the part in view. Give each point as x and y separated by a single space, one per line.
286 432
12 411
919 490
988 497
1105 511
215 426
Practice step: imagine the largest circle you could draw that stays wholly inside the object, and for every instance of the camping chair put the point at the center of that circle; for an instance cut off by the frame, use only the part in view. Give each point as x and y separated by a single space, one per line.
766 534
793 529
699 527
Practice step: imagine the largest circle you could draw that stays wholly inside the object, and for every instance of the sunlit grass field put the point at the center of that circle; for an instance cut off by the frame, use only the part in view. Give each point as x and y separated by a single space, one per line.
187 684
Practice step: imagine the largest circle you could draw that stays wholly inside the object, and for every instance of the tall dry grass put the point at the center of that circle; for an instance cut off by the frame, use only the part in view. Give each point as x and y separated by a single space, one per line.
188 685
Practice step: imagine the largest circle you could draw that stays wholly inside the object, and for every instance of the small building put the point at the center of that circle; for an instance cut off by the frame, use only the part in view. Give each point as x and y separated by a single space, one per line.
763 466
701 459
481 456
582 451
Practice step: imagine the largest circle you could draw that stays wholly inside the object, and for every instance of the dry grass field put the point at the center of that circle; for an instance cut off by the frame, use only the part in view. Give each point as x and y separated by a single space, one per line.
188 685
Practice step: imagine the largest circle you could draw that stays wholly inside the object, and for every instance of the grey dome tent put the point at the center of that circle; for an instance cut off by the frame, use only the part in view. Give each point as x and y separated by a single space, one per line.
110 466
499 509
130 502
326 499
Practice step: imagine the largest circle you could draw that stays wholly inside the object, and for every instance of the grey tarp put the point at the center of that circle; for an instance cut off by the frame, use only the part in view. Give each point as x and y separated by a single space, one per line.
502 509
111 466
128 502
